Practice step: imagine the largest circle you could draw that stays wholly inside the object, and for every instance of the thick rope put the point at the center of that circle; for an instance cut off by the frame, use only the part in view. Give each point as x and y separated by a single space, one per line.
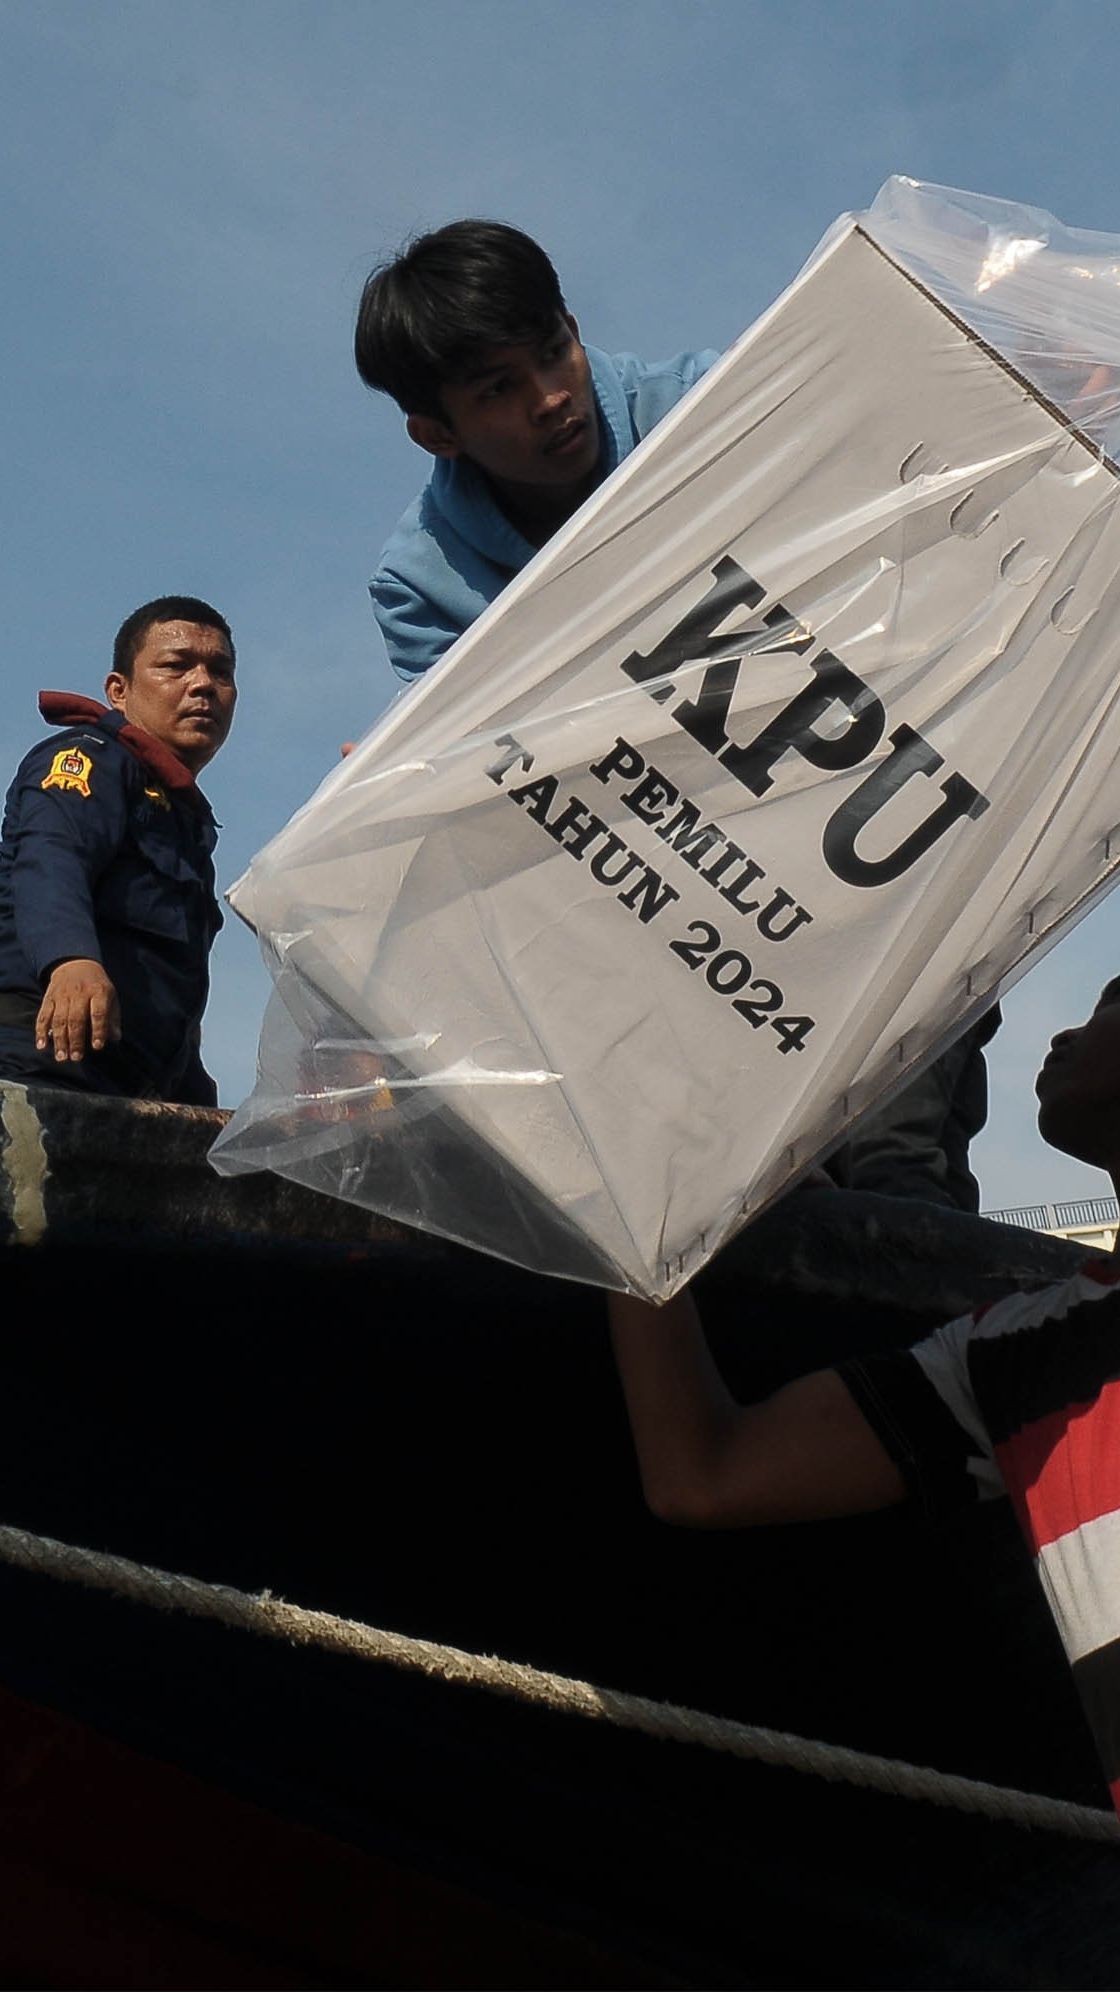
272 1616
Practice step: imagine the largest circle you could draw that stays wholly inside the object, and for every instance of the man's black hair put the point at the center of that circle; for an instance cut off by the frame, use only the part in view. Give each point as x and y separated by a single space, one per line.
166 608
423 316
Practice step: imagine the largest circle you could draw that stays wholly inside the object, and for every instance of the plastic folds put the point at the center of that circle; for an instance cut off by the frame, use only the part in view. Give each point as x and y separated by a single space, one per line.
780 760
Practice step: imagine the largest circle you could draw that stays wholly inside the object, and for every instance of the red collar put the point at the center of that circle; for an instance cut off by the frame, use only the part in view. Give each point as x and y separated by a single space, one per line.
72 709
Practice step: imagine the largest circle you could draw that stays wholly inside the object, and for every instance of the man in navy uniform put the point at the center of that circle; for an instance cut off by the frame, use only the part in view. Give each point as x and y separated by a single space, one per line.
107 903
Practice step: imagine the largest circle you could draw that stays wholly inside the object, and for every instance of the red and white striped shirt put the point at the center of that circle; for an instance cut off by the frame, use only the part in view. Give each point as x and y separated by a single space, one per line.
1023 1398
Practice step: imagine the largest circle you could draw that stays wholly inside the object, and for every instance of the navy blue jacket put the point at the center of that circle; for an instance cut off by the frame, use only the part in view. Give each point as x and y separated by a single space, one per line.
106 854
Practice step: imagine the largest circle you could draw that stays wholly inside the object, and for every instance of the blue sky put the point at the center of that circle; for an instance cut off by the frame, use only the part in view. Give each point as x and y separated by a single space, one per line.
194 192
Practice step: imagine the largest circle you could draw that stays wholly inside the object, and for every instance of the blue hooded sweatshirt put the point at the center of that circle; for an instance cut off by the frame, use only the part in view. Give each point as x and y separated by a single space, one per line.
455 550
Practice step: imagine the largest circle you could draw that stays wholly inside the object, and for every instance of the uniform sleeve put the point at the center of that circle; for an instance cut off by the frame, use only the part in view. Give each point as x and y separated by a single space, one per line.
920 1406
66 835
416 633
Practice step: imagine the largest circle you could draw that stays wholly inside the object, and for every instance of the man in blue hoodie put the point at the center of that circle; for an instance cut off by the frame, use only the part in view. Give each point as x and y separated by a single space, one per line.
469 332
107 904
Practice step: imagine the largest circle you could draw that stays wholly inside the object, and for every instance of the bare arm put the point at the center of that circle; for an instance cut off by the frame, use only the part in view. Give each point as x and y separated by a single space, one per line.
805 1454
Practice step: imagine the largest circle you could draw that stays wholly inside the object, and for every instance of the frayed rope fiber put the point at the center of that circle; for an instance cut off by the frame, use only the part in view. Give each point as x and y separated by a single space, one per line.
262 1613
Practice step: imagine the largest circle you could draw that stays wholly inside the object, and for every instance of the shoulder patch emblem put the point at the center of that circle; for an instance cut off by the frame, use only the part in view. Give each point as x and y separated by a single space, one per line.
70 769
158 796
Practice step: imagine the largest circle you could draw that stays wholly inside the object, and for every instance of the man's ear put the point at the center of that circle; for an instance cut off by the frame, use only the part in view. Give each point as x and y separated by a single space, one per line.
116 690
433 435
573 328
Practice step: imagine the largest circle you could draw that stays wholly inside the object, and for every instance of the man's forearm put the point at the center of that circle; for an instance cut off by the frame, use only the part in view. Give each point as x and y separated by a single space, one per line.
681 1412
707 1462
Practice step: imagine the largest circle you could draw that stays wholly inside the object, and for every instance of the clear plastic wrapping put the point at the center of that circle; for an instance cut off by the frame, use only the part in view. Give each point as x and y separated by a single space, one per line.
778 761
1045 296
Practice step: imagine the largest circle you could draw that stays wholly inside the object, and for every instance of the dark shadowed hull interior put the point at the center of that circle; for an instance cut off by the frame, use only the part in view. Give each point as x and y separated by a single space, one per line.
425 1440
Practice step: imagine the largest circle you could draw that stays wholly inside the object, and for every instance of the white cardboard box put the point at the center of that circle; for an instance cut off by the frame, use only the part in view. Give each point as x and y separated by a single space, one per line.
915 554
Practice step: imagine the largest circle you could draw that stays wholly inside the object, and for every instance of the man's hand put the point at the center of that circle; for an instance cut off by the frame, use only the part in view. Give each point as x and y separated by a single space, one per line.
80 1009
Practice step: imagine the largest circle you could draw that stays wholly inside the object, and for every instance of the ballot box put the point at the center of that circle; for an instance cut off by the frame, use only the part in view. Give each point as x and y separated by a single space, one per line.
747 796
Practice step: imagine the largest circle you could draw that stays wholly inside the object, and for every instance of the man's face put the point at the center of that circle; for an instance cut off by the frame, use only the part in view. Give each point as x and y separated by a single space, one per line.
525 414
181 690
1079 1086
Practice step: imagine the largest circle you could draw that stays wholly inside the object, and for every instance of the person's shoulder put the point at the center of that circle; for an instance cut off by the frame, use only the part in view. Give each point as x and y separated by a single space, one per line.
635 394
984 1356
68 757
416 628
400 547
683 370
423 549
77 783
439 569
1093 1280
